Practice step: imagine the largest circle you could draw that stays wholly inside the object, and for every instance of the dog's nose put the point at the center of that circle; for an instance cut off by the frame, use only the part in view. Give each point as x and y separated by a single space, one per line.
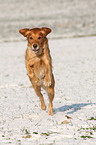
35 45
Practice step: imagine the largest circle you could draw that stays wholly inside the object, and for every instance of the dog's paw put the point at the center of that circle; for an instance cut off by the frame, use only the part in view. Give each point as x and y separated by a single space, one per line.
47 82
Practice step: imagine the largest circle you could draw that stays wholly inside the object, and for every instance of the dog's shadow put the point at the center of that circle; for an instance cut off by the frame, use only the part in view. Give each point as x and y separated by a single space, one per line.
71 108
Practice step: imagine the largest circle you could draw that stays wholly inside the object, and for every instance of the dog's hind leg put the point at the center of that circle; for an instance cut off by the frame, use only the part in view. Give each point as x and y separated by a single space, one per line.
51 97
38 93
50 91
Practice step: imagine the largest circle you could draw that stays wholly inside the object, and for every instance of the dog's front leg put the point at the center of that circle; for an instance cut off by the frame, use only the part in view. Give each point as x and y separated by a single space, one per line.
32 76
34 79
48 75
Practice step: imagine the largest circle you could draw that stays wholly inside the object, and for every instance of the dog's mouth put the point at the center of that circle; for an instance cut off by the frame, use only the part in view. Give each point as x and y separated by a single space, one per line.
36 50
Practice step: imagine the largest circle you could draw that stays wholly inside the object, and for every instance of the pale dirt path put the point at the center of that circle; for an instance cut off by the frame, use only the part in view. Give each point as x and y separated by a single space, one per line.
74 62
67 18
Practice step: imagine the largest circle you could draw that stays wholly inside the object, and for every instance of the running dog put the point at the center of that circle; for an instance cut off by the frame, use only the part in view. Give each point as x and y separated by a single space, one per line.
39 63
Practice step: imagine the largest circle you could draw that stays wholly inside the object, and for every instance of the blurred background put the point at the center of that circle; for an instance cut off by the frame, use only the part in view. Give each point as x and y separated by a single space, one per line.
67 18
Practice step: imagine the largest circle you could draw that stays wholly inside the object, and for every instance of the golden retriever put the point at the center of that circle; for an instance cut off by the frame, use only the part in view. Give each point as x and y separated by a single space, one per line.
39 63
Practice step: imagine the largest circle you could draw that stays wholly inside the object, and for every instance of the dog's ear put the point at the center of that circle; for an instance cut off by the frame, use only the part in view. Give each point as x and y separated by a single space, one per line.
24 32
45 30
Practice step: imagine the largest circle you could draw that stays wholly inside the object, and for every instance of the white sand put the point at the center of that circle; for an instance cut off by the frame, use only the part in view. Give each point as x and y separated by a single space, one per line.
67 18
74 65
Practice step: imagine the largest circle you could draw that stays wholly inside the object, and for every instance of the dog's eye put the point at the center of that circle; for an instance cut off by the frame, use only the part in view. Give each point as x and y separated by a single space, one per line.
39 37
31 38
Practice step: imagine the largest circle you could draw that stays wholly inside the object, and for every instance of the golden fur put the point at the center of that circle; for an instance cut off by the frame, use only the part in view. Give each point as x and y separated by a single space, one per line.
39 64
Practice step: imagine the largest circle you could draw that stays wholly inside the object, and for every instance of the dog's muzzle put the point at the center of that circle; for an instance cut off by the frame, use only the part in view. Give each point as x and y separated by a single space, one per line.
35 48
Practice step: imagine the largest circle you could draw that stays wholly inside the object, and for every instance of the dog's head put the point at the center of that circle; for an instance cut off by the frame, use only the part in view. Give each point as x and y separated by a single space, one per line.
36 38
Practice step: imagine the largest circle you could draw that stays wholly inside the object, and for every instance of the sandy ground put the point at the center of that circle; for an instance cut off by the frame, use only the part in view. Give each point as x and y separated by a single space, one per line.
67 18
22 122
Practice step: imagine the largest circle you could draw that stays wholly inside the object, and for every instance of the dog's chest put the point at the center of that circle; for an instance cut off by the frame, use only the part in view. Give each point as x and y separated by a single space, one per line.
39 69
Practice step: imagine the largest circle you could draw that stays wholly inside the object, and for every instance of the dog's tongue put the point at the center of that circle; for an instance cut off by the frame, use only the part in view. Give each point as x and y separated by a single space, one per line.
36 50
